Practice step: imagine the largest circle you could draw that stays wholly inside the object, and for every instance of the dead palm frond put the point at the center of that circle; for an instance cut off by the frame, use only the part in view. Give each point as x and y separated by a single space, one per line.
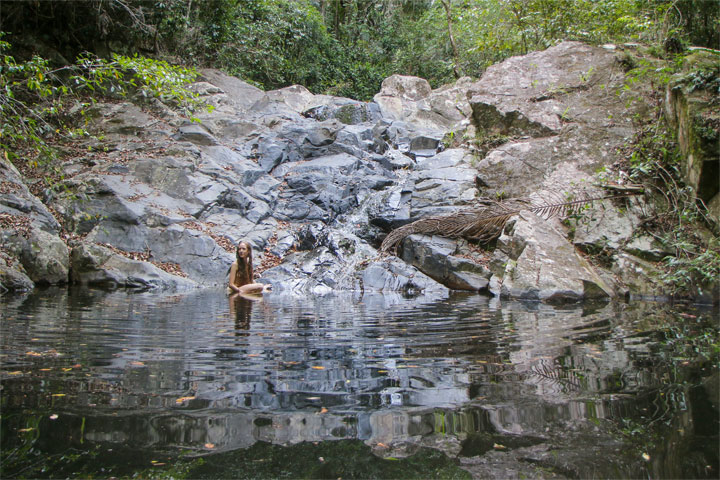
486 222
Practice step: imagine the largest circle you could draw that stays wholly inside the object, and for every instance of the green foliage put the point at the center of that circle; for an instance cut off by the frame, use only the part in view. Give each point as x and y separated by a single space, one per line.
653 158
34 98
346 47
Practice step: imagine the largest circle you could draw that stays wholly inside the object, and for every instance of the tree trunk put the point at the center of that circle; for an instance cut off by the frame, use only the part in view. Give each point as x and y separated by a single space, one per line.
455 53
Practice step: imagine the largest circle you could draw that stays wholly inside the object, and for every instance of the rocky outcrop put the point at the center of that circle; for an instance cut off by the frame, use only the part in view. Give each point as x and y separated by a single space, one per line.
98 266
691 108
315 182
534 261
32 251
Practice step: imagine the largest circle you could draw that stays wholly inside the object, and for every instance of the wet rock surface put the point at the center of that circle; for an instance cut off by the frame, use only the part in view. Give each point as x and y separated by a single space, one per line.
315 182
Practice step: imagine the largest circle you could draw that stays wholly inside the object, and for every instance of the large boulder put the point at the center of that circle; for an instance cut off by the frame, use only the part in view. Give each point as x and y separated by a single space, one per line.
412 100
12 275
31 248
557 110
437 258
95 265
535 261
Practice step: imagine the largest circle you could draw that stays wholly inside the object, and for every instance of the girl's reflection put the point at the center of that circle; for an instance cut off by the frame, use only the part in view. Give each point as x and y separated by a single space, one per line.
241 309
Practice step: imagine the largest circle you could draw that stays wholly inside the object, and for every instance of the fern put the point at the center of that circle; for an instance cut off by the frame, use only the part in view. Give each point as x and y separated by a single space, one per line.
486 222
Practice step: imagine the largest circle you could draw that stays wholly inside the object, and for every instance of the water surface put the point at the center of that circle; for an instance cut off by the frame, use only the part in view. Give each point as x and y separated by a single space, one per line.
354 386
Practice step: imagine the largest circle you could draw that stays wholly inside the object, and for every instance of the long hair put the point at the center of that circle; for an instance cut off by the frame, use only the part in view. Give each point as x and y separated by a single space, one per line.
244 273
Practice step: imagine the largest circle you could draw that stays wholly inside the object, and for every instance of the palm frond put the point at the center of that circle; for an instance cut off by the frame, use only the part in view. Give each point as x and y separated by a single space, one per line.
485 223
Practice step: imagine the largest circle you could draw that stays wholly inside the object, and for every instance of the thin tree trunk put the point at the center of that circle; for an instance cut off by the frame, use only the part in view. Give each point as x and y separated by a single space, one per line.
456 54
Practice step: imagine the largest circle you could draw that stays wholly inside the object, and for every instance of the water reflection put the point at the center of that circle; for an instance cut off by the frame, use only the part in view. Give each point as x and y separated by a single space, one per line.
165 373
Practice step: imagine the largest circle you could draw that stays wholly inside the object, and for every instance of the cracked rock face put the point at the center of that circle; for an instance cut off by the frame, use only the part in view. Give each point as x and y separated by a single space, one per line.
315 182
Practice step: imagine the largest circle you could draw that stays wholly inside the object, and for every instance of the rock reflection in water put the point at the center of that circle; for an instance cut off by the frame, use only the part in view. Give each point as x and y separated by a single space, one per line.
456 373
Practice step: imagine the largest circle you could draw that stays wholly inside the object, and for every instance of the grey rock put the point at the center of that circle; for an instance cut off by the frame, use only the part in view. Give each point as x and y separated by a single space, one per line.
540 264
94 265
394 275
435 257
196 134
12 276
16 200
45 258
639 277
240 94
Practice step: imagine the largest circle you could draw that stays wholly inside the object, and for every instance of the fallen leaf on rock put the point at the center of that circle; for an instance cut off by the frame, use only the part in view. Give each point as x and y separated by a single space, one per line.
209 445
498 446
183 399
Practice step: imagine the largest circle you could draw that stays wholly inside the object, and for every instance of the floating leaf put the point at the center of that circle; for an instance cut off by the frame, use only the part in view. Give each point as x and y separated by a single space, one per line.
54 416
646 457
209 445
23 430
139 364
58 394
17 372
183 399
316 367
498 446
324 410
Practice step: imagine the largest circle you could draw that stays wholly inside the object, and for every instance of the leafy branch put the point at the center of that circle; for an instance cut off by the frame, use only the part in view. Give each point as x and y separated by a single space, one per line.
34 97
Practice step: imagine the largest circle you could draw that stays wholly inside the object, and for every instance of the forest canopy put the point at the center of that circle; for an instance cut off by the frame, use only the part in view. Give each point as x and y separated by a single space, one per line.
344 47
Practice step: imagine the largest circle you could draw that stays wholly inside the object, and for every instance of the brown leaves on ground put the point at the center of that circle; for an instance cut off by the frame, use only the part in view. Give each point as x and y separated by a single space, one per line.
269 259
8 187
19 223
477 255
224 242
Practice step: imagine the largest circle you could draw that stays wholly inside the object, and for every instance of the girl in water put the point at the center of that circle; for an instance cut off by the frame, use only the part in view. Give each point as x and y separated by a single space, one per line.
241 273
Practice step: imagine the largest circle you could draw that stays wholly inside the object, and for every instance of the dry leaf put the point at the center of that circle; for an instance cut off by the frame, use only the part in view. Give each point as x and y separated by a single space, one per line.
209 445
183 399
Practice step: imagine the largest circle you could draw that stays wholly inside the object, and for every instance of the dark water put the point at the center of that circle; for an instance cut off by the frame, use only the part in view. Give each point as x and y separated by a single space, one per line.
100 385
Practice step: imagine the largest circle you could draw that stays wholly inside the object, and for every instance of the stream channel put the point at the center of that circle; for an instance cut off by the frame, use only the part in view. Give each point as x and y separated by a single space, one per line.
113 384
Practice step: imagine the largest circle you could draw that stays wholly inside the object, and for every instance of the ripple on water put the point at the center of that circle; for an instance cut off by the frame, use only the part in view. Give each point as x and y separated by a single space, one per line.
197 369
